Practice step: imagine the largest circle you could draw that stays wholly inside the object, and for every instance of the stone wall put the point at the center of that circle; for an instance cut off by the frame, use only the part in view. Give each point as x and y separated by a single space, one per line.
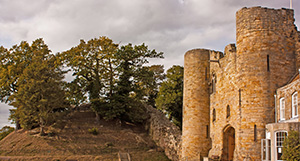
286 92
225 99
195 135
242 81
266 40
164 133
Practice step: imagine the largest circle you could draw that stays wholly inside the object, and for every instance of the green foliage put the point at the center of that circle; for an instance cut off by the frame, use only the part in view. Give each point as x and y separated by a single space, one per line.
33 83
12 63
40 92
93 65
5 131
95 69
291 146
129 93
149 80
113 79
94 131
75 92
110 76
170 95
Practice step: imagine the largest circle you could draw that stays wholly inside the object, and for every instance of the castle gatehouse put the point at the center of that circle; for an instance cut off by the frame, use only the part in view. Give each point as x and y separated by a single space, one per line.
232 104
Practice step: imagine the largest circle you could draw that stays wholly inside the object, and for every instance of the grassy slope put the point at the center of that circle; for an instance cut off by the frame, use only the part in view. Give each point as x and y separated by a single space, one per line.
72 141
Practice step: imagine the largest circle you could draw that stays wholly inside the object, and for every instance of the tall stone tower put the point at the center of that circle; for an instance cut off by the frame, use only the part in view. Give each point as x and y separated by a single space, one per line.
265 61
195 136
233 93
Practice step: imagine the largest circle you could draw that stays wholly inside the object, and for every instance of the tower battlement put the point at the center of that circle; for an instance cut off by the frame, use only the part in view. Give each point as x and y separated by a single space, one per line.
229 97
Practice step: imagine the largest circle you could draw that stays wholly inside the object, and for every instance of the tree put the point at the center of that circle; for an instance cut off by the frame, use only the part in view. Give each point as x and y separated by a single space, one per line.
109 74
149 80
12 64
28 72
40 93
5 131
291 146
132 59
170 95
75 92
94 65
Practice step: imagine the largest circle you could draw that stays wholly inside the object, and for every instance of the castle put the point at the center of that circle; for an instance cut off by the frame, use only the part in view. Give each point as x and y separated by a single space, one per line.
240 104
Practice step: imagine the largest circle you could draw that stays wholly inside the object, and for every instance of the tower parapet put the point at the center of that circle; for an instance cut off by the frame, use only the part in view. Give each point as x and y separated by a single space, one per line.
233 93
195 134
265 61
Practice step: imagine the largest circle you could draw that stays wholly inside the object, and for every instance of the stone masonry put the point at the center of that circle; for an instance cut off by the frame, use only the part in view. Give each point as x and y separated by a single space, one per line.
286 92
165 134
231 94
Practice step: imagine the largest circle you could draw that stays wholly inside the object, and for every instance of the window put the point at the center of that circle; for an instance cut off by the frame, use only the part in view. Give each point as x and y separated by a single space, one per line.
280 136
213 84
295 105
268 63
282 109
240 97
227 111
207 131
206 73
255 133
214 115
266 150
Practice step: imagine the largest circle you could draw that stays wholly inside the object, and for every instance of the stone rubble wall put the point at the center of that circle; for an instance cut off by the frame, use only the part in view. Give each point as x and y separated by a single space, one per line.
164 133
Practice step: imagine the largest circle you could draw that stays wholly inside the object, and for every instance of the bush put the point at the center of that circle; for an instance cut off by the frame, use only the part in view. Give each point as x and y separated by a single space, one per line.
94 131
291 146
5 131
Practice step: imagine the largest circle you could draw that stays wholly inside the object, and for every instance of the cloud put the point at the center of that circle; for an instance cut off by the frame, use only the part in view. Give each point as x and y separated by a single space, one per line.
170 26
4 114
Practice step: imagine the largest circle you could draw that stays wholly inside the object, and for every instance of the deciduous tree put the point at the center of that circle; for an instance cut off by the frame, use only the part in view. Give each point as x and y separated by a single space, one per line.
94 63
132 59
149 80
30 81
5 131
170 95
291 146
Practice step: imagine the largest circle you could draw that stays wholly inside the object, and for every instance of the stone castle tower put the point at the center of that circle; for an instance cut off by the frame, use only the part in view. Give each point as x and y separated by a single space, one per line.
229 97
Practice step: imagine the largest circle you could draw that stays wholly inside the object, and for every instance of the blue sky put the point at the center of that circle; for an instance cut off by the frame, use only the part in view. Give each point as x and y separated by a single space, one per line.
170 26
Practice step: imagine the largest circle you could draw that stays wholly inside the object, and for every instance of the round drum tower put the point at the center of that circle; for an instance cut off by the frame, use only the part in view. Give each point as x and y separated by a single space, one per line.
265 61
195 136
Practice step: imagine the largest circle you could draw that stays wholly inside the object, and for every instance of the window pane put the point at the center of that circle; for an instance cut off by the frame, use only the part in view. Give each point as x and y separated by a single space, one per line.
295 104
282 109
280 136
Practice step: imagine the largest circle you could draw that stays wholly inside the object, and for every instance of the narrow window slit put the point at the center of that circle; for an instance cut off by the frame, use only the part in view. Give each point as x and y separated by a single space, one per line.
207 131
268 63
240 97
255 133
206 73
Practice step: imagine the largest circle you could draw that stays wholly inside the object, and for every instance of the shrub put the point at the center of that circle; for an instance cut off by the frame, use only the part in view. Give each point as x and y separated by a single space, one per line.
94 131
5 131
291 146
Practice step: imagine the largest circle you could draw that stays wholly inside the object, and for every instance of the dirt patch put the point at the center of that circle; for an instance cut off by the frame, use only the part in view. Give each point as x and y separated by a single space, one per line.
71 139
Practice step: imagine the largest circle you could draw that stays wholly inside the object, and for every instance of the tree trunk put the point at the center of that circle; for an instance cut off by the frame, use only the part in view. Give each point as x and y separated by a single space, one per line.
42 123
18 126
97 117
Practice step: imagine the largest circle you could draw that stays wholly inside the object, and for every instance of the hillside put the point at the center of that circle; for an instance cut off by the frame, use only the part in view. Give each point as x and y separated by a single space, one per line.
71 140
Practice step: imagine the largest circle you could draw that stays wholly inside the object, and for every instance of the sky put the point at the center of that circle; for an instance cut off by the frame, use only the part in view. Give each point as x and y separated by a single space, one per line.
169 26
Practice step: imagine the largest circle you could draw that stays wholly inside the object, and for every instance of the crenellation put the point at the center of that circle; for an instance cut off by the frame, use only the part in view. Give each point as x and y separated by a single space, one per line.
241 80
